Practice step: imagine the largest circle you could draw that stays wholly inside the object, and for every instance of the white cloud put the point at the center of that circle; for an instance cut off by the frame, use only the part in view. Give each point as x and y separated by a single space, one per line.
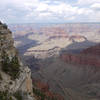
36 10
96 6
87 2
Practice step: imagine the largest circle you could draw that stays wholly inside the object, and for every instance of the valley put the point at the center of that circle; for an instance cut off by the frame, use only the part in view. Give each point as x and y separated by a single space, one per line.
65 57
35 39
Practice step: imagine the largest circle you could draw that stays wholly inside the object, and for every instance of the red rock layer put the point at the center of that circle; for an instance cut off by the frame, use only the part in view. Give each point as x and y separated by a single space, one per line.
80 59
89 56
45 89
94 50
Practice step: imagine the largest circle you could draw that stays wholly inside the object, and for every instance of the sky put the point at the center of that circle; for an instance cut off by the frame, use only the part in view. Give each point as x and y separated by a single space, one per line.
49 11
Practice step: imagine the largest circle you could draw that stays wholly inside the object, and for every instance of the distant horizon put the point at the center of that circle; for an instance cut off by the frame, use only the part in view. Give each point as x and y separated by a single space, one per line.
60 23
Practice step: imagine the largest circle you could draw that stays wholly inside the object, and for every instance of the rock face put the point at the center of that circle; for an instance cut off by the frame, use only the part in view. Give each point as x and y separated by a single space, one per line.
89 56
14 75
94 50
52 45
24 82
44 88
79 59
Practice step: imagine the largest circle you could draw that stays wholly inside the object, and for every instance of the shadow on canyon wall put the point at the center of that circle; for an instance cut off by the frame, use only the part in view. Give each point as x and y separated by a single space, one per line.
77 47
28 43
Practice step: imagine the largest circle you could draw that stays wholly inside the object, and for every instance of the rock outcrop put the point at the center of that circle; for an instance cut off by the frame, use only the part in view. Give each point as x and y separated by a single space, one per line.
93 51
89 56
14 76
43 89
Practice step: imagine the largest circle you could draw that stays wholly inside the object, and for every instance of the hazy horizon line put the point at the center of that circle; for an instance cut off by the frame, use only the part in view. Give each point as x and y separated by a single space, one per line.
60 23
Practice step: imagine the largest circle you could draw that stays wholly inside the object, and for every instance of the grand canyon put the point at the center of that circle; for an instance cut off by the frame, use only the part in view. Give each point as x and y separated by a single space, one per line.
50 50
64 58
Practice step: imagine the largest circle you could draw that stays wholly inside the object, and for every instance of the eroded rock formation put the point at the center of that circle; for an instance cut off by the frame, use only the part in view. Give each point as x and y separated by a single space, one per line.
89 56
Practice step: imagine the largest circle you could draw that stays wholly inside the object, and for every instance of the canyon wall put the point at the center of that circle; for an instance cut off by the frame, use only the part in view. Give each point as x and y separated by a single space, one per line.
89 56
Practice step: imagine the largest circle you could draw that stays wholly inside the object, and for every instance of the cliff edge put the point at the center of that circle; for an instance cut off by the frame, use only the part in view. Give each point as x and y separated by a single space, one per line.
15 78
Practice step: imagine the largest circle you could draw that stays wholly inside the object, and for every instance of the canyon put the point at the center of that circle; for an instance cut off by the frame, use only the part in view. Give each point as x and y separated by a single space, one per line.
64 58
41 40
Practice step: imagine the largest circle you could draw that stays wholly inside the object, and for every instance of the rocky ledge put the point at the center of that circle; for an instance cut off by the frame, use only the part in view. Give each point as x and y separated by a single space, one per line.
15 78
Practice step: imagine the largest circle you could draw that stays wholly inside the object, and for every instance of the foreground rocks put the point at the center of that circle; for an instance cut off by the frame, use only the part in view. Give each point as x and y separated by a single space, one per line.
15 77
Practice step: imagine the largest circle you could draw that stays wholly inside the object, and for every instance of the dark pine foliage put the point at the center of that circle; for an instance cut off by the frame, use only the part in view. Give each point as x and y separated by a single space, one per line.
0 77
18 95
11 66
5 96
42 95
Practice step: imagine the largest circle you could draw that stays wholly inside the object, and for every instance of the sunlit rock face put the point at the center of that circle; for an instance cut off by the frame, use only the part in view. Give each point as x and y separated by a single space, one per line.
14 75
51 46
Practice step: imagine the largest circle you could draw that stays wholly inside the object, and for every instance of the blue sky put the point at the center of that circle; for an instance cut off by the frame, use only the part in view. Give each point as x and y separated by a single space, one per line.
49 11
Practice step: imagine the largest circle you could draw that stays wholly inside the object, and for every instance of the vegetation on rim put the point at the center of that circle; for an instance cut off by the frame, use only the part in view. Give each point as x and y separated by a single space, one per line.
11 66
18 95
4 95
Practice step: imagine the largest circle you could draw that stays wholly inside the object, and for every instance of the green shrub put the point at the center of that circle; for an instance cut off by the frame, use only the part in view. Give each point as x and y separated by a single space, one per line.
0 77
5 96
0 23
18 95
42 95
11 67
4 26
39 94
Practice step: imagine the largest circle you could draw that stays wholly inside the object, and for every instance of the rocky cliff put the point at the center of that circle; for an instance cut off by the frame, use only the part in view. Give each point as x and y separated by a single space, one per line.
94 50
89 56
15 78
